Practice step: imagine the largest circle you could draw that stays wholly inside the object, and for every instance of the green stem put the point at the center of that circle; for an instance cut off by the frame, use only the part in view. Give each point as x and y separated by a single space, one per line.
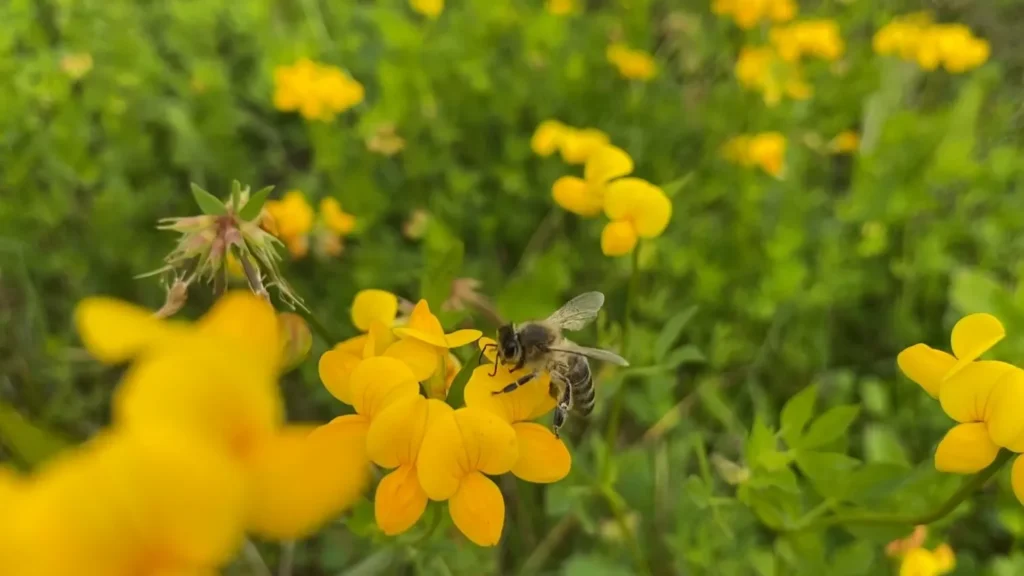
969 486
615 416
547 546
284 567
254 559
614 504
435 521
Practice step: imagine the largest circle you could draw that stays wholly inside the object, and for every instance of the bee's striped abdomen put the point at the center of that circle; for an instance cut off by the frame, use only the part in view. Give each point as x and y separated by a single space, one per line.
582 385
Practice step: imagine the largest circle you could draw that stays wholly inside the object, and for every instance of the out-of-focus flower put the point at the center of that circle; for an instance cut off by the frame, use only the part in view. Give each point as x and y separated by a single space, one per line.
637 209
846 142
763 70
385 141
76 65
316 91
817 38
748 13
416 225
560 7
586 196
915 540
924 562
766 150
547 138
631 63
914 37
423 343
296 339
577 145
293 217
429 8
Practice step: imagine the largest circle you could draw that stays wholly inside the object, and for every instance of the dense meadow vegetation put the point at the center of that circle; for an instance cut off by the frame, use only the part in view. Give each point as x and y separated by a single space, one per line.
805 217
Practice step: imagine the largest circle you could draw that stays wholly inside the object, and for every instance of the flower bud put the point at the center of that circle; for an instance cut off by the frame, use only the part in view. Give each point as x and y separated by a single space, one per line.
296 340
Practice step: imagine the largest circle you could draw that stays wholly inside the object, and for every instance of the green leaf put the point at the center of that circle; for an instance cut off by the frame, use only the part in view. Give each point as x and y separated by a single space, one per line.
684 355
784 479
594 565
828 472
207 202
710 394
829 427
853 559
236 194
796 412
671 331
256 201
30 443
457 390
882 444
442 257
376 564
873 482
759 441
675 186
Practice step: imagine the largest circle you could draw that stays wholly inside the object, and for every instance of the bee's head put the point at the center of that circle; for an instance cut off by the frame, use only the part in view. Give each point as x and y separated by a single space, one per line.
508 344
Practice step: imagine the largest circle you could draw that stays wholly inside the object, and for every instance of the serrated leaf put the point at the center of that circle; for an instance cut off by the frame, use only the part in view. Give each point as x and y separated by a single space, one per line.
828 472
829 427
255 204
796 412
669 334
29 442
208 203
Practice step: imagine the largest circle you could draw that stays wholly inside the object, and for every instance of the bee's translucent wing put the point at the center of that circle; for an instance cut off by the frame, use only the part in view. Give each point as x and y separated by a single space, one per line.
595 353
578 312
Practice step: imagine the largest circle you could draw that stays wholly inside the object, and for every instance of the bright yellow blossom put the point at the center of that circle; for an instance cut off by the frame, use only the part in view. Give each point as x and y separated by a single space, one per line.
631 63
547 138
293 219
766 150
337 220
817 38
914 37
429 8
316 91
424 345
763 70
585 196
560 7
748 13
637 209
578 145
846 142
924 562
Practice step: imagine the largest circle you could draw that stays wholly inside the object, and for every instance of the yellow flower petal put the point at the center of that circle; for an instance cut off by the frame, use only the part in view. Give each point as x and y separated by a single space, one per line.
547 137
1003 416
248 320
945 560
973 335
335 369
1017 478
420 357
967 395
577 145
400 501
488 347
489 442
377 382
641 202
442 458
926 366
965 449
528 402
618 238
300 479
370 305
423 325
918 562
542 457
462 337
478 509
114 331
379 338
573 195
607 162
397 432
354 346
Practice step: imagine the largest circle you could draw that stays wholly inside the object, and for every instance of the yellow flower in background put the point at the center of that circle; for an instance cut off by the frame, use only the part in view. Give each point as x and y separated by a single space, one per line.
458 449
748 13
585 196
76 65
914 37
385 141
547 138
424 345
817 38
216 380
766 150
846 142
316 91
578 145
637 209
924 562
763 70
337 220
293 218
631 63
429 8
560 7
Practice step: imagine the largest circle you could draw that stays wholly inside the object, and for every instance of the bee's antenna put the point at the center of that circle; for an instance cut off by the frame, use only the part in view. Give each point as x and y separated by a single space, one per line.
480 359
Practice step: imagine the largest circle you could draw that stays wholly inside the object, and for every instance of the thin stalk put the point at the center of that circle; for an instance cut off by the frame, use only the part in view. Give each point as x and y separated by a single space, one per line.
284 567
615 416
614 504
255 560
547 545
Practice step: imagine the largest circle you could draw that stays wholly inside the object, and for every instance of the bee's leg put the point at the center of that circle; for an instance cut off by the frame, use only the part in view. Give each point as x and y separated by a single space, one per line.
495 371
511 387
562 409
480 359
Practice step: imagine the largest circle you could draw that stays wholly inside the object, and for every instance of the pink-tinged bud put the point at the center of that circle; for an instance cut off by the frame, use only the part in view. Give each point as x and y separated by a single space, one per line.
296 340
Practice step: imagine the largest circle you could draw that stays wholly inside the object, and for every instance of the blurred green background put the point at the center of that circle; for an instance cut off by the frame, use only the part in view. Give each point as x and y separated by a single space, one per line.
759 288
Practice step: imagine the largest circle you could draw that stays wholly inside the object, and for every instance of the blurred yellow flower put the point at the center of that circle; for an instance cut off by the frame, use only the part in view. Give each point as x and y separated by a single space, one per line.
577 145
766 150
458 449
560 7
293 218
385 141
76 65
296 339
763 70
915 38
429 8
424 345
547 138
748 13
846 142
337 220
585 196
817 38
637 209
631 63
316 91
924 562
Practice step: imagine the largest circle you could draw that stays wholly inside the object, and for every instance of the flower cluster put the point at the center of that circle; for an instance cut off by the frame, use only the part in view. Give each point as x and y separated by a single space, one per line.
635 207
631 63
317 91
560 7
766 150
429 8
293 221
846 142
749 13
197 454
435 451
815 38
915 38
576 145
916 560
762 69
984 397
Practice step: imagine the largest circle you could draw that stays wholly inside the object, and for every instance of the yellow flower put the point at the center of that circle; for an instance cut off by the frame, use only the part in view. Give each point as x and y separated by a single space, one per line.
543 458
458 449
423 343
846 142
766 150
914 37
763 70
637 209
385 141
748 13
293 218
548 137
560 7
217 380
76 65
924 562
631 63
585 196
316 91
577 145
429 8
972 336
818 38
296 339
337 220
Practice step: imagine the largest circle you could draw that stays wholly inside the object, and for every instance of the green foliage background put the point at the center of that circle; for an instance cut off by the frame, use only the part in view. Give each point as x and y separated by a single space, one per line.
758 289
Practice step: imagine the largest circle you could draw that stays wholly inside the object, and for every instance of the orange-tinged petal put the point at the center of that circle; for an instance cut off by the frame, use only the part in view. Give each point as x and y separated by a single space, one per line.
423 325
1017 478
335 369
1005 425
301 479
377 382
478 509
926 366
542 457
462 337
442 458
965 449
528 402
489 441
250 321
618 238
607 162
420 357
973 335
573 195
114 331
397 432
400 501
967 395
370 305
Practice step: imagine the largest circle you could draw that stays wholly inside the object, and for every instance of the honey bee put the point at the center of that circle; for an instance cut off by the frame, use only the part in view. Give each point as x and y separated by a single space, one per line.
540 346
